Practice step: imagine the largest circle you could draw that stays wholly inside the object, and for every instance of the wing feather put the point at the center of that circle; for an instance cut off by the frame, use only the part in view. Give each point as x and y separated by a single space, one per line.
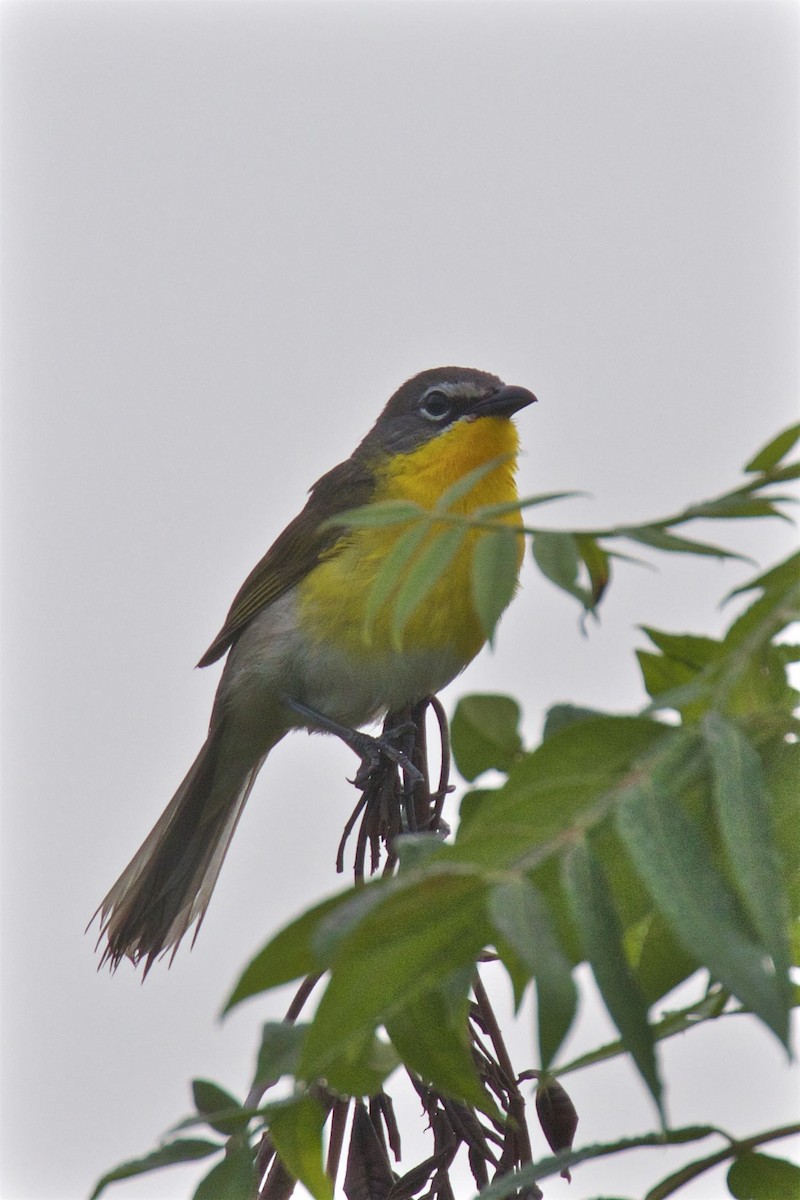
297 550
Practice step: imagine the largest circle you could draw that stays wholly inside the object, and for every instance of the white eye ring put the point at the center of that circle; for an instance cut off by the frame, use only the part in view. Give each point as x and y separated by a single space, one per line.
436 405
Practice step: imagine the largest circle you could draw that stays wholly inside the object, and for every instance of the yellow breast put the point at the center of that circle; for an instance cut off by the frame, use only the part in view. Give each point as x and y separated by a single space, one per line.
333 597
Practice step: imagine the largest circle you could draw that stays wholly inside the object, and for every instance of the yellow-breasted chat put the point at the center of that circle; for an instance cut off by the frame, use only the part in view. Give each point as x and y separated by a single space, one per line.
298 651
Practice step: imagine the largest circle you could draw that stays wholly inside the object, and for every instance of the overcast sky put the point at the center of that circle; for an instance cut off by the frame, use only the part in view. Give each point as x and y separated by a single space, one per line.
231 231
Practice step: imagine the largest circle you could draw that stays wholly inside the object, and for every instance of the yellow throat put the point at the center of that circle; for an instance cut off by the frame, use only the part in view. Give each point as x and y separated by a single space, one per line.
333 597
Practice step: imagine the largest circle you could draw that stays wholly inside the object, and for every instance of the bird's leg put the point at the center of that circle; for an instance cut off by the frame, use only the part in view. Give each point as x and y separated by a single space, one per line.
373 751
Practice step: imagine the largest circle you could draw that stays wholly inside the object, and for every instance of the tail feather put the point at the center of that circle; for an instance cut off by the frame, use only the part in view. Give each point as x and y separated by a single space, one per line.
167 885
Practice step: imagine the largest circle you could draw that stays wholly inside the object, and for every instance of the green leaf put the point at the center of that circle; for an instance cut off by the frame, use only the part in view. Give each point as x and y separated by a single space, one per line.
556 555
495 568
561 716
594 914
782 475
740 505
597 561
419 935
391 571
686 648
289 955
489 511
484 734
662 962
663 676
279 1052
548 788
361 1068
774 609
432 1037
691 699
659 539
762 1177
745 821
782 768
672 856
472 803
775 450
361 1065
519 973
338 924
210 1099
377 514
182 1150
232 1179
520 915
458 490
415 850
296 1129
780 579
631 898
679 677
423 574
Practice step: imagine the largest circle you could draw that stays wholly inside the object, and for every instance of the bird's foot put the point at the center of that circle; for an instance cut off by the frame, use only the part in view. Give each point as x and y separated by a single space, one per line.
374 752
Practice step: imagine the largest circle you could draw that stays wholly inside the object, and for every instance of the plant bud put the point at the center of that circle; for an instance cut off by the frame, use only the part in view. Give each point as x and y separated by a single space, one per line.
557 1117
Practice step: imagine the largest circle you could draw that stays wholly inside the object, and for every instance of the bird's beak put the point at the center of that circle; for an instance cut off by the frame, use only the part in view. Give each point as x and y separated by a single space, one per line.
506 401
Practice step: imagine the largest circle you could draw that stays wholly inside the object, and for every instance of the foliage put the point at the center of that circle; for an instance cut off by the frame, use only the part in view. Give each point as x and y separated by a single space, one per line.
652 846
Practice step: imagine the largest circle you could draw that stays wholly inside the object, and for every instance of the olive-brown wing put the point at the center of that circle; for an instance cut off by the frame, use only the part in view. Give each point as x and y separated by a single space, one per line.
297 550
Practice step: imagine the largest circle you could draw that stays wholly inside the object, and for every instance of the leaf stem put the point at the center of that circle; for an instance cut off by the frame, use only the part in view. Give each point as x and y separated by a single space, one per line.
670 1185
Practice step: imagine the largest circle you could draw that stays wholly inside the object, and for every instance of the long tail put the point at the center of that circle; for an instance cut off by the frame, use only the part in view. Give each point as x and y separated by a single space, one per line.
167 885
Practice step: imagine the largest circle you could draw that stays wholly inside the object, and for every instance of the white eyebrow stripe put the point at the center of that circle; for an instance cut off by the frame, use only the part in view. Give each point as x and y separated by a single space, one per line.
464 391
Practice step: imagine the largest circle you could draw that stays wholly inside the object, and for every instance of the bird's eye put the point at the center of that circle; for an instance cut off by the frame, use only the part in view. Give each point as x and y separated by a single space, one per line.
435 405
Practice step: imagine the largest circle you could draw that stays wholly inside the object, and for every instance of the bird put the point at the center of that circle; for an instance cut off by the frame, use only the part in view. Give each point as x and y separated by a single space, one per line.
298 653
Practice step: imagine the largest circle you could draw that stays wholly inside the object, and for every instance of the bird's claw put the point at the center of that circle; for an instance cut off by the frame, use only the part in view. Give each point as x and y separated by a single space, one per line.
374 751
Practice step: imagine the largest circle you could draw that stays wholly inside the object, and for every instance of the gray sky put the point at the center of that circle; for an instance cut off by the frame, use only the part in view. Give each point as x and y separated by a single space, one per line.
231 231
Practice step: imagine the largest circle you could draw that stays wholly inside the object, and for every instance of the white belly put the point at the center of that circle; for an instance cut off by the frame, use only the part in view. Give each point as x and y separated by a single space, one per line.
273 661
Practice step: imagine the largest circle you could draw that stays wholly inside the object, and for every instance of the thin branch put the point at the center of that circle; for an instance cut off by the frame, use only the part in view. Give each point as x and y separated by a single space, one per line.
670 1185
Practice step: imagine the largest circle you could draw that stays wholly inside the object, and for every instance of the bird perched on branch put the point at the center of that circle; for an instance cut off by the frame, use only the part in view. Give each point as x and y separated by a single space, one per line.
300 654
